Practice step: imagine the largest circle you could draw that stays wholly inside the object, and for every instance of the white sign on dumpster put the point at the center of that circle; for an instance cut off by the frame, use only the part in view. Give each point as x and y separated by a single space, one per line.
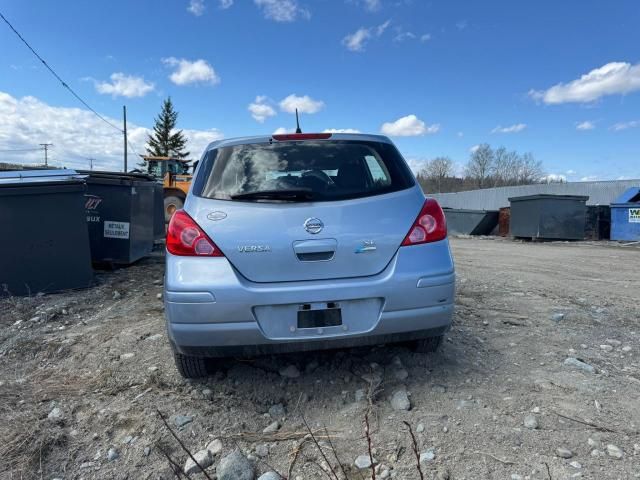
634 215
116 229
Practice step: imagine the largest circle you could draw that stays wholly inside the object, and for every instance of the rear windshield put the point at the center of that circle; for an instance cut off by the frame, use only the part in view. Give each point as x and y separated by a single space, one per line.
302 171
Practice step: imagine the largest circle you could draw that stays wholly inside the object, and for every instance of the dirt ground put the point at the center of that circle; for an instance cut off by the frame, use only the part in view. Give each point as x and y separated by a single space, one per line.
84 374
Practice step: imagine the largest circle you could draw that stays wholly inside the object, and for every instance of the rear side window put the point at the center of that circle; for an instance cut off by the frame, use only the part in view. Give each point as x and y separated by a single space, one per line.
302 171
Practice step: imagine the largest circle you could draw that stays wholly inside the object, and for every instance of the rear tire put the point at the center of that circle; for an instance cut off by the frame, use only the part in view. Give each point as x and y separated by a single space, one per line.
171 204
428 345
191 367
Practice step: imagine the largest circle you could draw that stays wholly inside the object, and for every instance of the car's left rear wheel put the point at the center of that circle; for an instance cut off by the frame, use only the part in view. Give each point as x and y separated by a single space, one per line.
190 367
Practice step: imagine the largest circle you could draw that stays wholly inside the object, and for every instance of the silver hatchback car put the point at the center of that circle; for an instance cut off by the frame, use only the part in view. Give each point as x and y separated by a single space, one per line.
303 242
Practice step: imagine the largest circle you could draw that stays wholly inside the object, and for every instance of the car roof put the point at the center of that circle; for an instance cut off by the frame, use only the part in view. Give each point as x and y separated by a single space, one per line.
230 142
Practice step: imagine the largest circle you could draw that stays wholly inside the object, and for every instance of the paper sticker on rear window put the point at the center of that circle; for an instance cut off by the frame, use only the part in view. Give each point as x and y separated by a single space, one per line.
116 229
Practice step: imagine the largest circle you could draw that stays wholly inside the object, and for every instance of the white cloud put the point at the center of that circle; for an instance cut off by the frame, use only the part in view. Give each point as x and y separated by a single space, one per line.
409 126
282 10
282 131
610 79
518 127
554 178
625 125
417 164
340 130
357 40
425 38
77 135
402 36
122 85
372 5
590 178
261 109
474 149
191 72
460 134
586 125
571 172
196 7
382 27
462 24
304 104
224 4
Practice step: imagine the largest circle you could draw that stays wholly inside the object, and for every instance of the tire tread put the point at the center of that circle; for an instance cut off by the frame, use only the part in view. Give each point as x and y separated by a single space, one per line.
191 367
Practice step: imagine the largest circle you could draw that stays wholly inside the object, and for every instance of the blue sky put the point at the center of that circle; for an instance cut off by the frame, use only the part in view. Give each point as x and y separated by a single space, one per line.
438 76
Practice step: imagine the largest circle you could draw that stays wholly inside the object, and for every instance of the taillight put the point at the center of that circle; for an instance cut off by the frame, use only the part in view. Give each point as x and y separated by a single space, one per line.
187 239
301 136
430 226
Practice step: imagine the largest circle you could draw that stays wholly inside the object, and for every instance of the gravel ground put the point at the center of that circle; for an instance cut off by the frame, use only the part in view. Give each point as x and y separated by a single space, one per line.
539 378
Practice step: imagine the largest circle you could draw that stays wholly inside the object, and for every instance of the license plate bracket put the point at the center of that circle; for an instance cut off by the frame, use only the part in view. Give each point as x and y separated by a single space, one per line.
319 318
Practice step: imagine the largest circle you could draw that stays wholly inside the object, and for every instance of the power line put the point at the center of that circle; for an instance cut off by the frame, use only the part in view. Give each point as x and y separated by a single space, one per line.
16 150
133 149
64 84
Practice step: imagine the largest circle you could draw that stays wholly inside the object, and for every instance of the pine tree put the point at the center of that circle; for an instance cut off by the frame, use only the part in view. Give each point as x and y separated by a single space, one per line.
164 143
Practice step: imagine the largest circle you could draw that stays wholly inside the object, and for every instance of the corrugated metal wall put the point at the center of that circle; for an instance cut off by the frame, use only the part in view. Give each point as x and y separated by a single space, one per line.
600 193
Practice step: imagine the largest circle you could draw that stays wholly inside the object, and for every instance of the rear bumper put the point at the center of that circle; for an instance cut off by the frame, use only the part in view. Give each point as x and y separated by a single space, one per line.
246 338
212 310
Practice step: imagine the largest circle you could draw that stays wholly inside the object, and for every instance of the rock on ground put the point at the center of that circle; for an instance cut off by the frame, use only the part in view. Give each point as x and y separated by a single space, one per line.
614 452
235 466
290 371
204 459
112 454
277 411
574 362
262 450
272 427
400 400
531 422
428 456
564 452
56 415
270 476
215 446
182 420
363 461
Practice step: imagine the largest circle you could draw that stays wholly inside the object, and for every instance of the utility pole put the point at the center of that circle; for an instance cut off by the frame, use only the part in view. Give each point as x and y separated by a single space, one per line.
46 146
124 115
91 163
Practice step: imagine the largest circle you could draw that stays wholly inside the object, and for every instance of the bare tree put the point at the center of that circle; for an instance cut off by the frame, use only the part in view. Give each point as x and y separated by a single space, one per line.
481 165
506 167
437 171
530 170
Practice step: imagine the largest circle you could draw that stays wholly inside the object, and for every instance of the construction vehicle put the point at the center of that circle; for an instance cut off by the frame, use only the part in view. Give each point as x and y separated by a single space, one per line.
176 180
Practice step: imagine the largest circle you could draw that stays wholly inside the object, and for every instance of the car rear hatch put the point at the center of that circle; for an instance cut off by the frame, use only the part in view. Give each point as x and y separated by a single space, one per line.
293 211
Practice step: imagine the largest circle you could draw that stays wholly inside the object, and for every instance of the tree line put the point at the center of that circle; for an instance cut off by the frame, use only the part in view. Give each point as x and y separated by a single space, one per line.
487 167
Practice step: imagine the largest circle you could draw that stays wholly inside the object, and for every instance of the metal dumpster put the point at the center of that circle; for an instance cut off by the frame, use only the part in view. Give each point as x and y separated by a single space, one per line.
120 212
158 208
504 215
625 216
470 222
553 217
598 222
44 245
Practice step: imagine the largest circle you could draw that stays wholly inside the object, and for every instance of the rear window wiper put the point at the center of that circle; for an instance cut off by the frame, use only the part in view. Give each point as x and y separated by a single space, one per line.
291 195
